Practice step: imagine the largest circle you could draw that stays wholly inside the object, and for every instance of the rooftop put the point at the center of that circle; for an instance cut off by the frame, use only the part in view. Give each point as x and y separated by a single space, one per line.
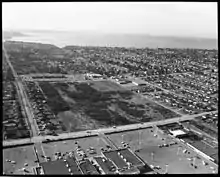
57 167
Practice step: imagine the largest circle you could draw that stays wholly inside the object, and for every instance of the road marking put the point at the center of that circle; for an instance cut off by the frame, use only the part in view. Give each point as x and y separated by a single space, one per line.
43 151
208 144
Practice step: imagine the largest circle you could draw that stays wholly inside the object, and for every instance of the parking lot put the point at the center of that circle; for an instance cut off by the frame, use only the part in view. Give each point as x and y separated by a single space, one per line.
138 138
84 144
178 162
150 150
17 158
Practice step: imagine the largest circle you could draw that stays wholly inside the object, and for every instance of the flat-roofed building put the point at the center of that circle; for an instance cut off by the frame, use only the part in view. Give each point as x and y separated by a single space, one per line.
73 166
130 157
57 167
177 133
106 165
87 167
130 171
115 157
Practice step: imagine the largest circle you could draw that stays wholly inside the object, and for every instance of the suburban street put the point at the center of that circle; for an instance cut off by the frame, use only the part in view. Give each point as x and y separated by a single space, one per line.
21 92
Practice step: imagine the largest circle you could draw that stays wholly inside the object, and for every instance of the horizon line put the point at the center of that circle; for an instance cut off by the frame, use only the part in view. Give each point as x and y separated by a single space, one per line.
107 33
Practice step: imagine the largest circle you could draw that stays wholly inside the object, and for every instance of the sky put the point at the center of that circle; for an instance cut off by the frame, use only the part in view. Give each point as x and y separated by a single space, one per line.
183 19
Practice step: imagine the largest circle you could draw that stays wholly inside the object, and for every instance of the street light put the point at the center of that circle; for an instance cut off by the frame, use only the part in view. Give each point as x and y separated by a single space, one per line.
167 166
152 155
122 137
178 150
139 132
98 140
194 161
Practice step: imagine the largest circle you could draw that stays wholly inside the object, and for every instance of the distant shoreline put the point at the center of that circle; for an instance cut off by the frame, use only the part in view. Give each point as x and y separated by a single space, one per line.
8 35
62 39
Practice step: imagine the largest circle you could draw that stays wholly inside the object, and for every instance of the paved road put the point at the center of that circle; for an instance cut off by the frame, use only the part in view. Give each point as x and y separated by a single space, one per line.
106 140
107 130
29 110
17 142
180 73
54 80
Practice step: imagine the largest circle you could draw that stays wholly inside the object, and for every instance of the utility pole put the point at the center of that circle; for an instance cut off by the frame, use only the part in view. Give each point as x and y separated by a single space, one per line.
205 145
178 150
98 140
167 166
139 132
194 161
152 156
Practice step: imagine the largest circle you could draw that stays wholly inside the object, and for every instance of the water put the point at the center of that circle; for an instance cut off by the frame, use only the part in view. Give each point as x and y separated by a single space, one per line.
62 39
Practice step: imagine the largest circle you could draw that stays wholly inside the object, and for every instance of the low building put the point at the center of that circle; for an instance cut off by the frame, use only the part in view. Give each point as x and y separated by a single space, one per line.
130 171
106 165
129 157
57 167
115 157
93 76
177 133
87 167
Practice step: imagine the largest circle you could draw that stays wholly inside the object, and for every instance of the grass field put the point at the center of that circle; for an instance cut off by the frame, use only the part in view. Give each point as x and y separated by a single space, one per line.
20 155
99 104
106 86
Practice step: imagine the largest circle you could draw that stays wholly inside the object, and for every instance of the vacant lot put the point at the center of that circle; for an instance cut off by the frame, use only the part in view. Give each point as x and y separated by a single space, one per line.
97 104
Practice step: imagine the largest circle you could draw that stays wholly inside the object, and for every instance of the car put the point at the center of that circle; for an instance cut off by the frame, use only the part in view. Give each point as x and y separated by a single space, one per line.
92 152
13 162
157 167
125 145
108 146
